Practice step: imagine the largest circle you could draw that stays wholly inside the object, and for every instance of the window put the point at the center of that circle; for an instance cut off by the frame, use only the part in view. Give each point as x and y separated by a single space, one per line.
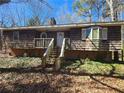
95 33
16 35
86 33
104 32
89 33
43 35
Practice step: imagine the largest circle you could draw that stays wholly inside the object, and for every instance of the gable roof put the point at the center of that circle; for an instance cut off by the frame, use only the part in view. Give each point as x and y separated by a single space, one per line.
64 26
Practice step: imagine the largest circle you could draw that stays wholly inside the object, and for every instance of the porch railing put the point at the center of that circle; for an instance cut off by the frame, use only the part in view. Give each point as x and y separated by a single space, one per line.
42 42
36 43
21 44
96 45
48 51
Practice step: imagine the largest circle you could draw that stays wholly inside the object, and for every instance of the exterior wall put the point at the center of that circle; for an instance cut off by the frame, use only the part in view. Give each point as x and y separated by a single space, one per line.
25 35
114 36
93 55
114 33
113 41
75 34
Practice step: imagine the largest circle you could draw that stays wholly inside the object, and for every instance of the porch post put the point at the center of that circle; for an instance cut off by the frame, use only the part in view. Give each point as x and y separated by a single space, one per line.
122 40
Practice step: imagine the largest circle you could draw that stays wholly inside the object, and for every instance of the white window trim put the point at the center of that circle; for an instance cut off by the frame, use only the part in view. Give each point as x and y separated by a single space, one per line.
17 35
91 35
99 34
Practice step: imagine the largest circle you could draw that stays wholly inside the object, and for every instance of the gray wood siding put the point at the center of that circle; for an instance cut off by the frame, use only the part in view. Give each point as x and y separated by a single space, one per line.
75 34
114 33
112 43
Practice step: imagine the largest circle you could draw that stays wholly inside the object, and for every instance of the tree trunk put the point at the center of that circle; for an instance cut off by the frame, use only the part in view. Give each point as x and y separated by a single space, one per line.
110 3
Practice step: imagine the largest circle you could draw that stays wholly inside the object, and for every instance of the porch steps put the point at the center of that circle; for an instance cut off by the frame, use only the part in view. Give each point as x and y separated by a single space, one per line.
50 62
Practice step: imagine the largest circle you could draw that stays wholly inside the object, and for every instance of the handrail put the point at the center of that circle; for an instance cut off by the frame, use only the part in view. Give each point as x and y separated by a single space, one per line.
47 52
61 56
49 48
63 48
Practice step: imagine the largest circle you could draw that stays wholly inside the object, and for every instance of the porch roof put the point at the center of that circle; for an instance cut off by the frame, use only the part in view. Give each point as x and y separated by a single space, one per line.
62 27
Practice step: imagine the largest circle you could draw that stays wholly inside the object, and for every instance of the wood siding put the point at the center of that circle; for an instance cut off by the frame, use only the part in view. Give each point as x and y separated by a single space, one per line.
112 43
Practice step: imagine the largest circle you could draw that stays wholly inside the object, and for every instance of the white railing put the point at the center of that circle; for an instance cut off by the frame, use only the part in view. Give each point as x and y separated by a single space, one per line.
48 52
49 48
42 42
61 56
63 48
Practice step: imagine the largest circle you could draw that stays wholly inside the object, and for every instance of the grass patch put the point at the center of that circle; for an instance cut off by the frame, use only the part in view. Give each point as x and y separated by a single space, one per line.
21 62
94 67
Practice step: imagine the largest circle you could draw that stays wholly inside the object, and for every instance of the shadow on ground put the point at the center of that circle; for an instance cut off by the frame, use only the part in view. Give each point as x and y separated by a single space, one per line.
47 86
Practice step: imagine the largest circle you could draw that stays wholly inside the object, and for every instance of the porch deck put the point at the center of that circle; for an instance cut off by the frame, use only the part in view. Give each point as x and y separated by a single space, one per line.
86 45
97 45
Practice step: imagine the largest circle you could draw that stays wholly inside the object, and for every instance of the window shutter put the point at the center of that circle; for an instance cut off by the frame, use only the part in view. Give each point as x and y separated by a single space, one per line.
104 33
83 34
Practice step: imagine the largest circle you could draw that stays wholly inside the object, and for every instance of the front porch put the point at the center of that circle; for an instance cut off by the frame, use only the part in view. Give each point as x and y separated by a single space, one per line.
38 46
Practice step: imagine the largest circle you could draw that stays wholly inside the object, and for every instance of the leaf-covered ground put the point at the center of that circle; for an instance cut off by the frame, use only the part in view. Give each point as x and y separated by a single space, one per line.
58 83
110 77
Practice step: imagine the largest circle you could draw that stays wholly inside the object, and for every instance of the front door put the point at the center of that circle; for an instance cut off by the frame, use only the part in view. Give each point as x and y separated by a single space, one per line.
60 37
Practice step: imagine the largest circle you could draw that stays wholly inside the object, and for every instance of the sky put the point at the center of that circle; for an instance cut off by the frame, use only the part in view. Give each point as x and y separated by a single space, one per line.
58 4
20 13
16 10
63 11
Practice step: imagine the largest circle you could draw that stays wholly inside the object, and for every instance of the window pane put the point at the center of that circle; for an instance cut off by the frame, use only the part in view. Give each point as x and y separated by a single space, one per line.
88 33
95 33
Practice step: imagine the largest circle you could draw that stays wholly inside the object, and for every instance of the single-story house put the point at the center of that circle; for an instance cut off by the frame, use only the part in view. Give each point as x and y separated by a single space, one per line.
97 40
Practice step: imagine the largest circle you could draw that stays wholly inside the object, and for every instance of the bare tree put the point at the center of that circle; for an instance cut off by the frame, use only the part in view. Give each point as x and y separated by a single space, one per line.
17 16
